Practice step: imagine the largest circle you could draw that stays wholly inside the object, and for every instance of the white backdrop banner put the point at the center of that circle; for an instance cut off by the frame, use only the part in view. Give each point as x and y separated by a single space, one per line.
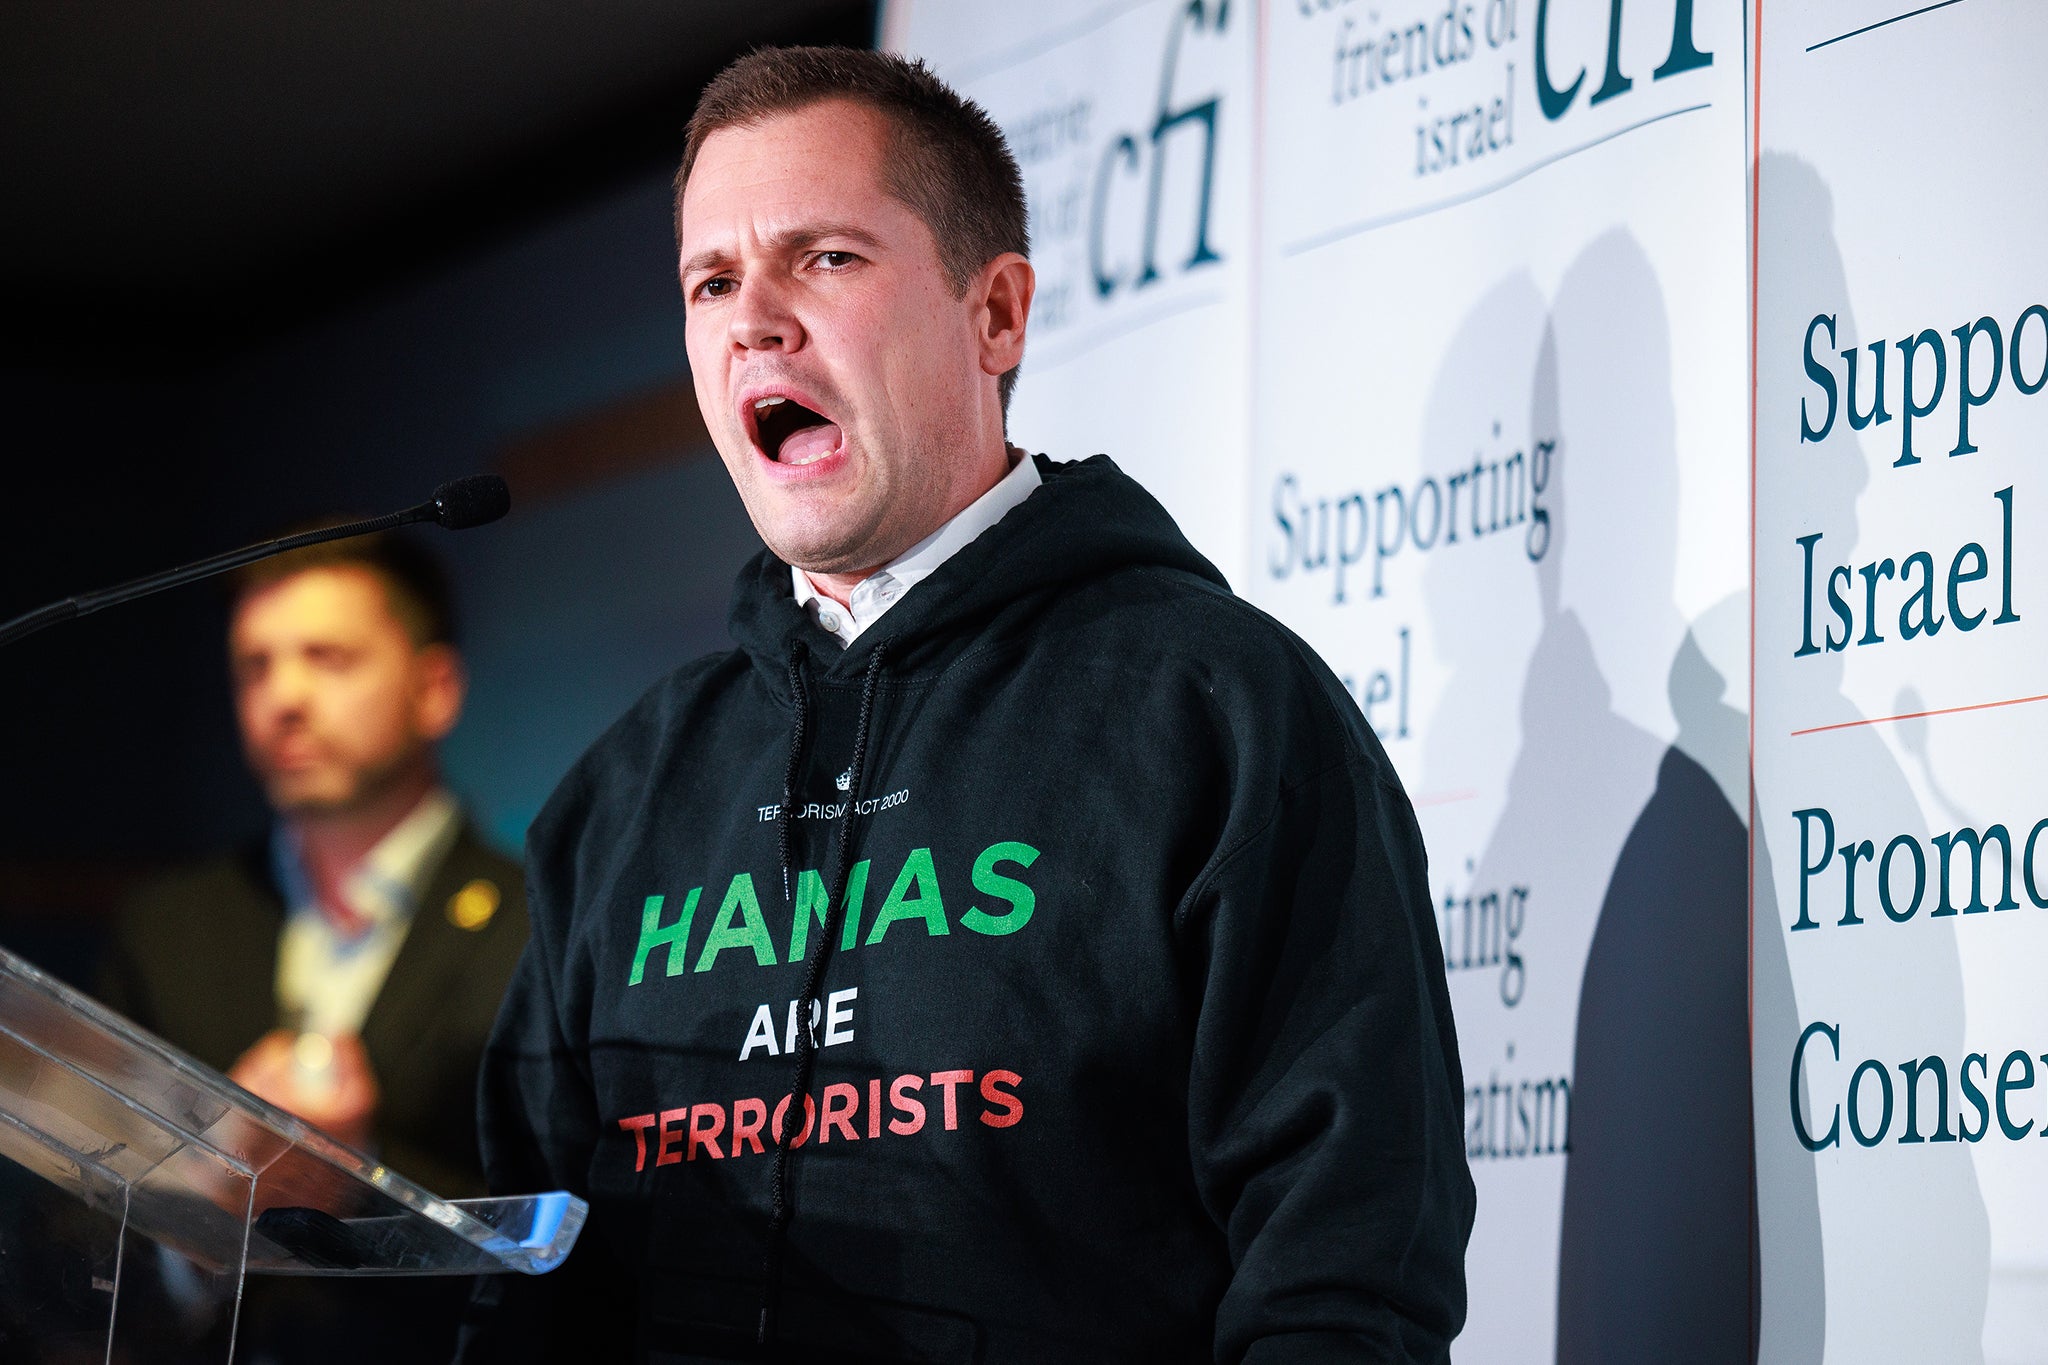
1901 656
1500 339
1429 321
1133 126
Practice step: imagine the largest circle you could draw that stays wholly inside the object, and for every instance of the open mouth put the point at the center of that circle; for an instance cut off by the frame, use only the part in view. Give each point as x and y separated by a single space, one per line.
790 433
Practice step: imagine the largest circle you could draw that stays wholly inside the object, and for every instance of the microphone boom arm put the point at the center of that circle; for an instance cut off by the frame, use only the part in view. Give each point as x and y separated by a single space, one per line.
462 503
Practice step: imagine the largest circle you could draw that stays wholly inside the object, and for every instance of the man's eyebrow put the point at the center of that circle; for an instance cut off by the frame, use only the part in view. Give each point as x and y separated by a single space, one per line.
784 240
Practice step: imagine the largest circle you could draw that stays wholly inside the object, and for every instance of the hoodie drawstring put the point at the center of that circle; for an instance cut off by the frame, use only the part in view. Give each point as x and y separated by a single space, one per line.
799 730
780 1209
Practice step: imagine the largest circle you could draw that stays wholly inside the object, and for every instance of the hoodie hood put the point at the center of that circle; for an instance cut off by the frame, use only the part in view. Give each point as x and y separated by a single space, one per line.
1086 520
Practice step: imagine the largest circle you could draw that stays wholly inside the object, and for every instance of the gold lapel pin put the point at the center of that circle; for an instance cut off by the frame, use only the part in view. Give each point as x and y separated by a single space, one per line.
472 907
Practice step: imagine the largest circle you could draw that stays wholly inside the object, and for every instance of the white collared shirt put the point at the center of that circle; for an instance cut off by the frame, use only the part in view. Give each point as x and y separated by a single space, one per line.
327 979
883 588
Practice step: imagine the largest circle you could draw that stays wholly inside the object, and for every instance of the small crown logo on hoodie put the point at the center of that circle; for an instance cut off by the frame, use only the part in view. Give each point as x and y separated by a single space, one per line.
845 780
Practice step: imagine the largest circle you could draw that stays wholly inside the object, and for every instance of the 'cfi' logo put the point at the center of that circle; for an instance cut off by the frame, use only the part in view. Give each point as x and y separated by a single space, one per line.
845 780
1685 55
1126 160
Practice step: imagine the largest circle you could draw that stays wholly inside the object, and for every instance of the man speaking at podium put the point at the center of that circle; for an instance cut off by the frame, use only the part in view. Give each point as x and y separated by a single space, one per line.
1017 949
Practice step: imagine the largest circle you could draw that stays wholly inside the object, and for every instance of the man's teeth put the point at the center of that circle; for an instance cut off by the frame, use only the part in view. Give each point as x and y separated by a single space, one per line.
783 439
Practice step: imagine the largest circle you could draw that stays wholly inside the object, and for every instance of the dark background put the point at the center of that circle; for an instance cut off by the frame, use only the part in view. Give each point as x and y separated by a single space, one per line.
262 262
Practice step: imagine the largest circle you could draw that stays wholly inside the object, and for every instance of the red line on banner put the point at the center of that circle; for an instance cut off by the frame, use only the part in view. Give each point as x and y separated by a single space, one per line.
1756 219
1255 273
1916 715
1444 798
1755 56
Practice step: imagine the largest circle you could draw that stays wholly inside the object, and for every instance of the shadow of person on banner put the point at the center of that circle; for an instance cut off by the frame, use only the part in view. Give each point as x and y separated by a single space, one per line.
1656 1243
1716 735
1526 701
1894 990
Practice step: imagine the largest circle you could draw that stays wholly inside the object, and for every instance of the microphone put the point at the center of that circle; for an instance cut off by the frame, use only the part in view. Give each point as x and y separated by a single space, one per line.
458 505
462 503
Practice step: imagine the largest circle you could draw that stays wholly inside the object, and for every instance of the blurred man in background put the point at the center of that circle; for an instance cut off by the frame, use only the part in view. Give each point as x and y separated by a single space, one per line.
348 968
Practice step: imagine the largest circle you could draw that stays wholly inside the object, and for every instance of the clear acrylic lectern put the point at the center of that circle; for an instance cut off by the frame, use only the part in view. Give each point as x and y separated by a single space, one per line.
137 1186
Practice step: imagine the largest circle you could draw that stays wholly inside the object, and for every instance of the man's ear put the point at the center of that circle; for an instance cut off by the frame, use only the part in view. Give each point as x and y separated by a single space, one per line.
440 683
1005 287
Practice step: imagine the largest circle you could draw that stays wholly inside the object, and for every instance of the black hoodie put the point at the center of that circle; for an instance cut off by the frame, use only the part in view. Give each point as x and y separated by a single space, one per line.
1132 1041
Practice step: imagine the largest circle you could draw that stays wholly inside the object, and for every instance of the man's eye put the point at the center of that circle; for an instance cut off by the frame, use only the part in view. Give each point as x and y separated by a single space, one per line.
836 260
717 287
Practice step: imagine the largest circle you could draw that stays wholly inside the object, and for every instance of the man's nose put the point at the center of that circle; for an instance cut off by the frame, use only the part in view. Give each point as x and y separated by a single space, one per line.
765 317
287 687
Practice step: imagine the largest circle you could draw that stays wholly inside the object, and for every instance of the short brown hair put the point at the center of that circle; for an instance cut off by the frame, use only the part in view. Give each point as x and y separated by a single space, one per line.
415 584
951 164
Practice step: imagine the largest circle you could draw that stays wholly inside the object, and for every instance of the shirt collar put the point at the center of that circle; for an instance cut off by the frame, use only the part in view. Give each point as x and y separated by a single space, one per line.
885 587
406 858
391 880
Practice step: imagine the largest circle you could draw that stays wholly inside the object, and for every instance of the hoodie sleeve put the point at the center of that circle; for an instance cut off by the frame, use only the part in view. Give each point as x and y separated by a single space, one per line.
1325 1099
538 1126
